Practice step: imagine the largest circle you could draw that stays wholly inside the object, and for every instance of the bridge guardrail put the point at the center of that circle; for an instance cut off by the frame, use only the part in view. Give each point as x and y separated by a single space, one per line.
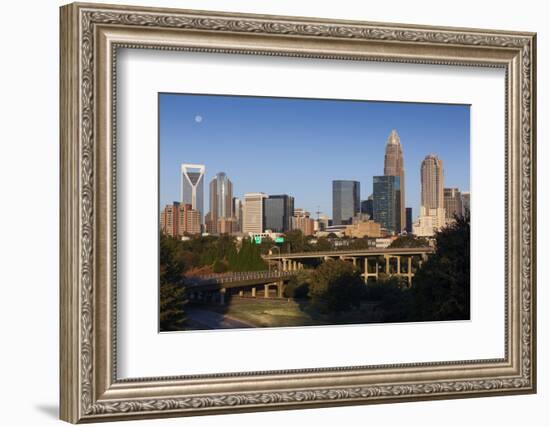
427 249
231 277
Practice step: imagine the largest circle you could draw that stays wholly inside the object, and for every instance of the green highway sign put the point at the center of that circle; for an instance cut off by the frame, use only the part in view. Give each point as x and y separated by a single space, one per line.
279 239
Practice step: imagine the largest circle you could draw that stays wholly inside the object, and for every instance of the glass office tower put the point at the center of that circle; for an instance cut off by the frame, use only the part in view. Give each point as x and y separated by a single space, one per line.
278 211
387 202
345 201
367 206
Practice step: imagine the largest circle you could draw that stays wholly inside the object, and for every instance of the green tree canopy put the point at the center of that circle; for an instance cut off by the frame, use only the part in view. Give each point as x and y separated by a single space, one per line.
295 241
172 287
337 285
248 258
323 244
441 287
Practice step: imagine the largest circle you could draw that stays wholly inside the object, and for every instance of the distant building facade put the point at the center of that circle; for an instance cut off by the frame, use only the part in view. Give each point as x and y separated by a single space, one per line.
345 201
466 203
408 220
323 222
169 219
189 220
179 219
453 203
277 213
363 229
192 187
227 226
302 221
367 207
253 213
238 214
387 202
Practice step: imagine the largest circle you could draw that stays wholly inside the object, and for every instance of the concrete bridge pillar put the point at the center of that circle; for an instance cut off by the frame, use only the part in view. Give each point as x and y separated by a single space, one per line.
369 273
222 296
253 291
409 270
280 288
241 293
398 264
266 291
387 259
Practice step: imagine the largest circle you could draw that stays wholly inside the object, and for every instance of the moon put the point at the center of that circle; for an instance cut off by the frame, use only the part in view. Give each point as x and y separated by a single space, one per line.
198 118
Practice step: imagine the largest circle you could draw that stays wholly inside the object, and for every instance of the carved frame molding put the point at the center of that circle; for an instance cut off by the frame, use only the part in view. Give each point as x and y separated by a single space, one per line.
90 36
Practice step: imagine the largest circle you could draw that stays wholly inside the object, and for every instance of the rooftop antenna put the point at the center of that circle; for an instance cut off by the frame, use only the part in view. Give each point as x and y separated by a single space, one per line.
318 212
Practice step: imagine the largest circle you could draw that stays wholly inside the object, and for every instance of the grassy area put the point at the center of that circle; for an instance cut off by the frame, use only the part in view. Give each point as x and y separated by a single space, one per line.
270 312
278 313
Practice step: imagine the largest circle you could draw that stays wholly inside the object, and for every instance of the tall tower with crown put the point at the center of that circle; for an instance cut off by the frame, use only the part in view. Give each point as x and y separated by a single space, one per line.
393 166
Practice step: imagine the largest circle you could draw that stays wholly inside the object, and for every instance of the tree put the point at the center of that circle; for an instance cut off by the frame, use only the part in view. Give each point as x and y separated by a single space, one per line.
323 244
393 297
441 288
172 287
295 242
337 285
298 285
219 266
248 258
409 241
359 243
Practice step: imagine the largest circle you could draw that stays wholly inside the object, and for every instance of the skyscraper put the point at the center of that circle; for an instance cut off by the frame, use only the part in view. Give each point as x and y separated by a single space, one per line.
432 203
238 213
453 203
221 198
192 187
431 177
345 201
253 212
393 166
278 211
387 202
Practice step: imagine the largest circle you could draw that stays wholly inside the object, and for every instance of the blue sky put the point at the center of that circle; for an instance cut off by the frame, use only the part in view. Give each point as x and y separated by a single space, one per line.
298 146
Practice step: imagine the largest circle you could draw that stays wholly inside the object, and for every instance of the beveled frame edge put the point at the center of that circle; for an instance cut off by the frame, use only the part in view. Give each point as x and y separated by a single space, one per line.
88 391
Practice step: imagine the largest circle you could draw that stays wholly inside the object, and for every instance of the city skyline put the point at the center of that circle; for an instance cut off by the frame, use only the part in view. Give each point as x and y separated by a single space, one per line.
298 173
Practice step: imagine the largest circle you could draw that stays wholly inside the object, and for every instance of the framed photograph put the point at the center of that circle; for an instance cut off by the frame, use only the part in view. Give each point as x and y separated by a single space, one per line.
266 213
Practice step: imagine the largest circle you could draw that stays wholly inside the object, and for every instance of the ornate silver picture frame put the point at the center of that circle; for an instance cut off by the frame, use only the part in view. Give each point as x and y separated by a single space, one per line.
91 35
